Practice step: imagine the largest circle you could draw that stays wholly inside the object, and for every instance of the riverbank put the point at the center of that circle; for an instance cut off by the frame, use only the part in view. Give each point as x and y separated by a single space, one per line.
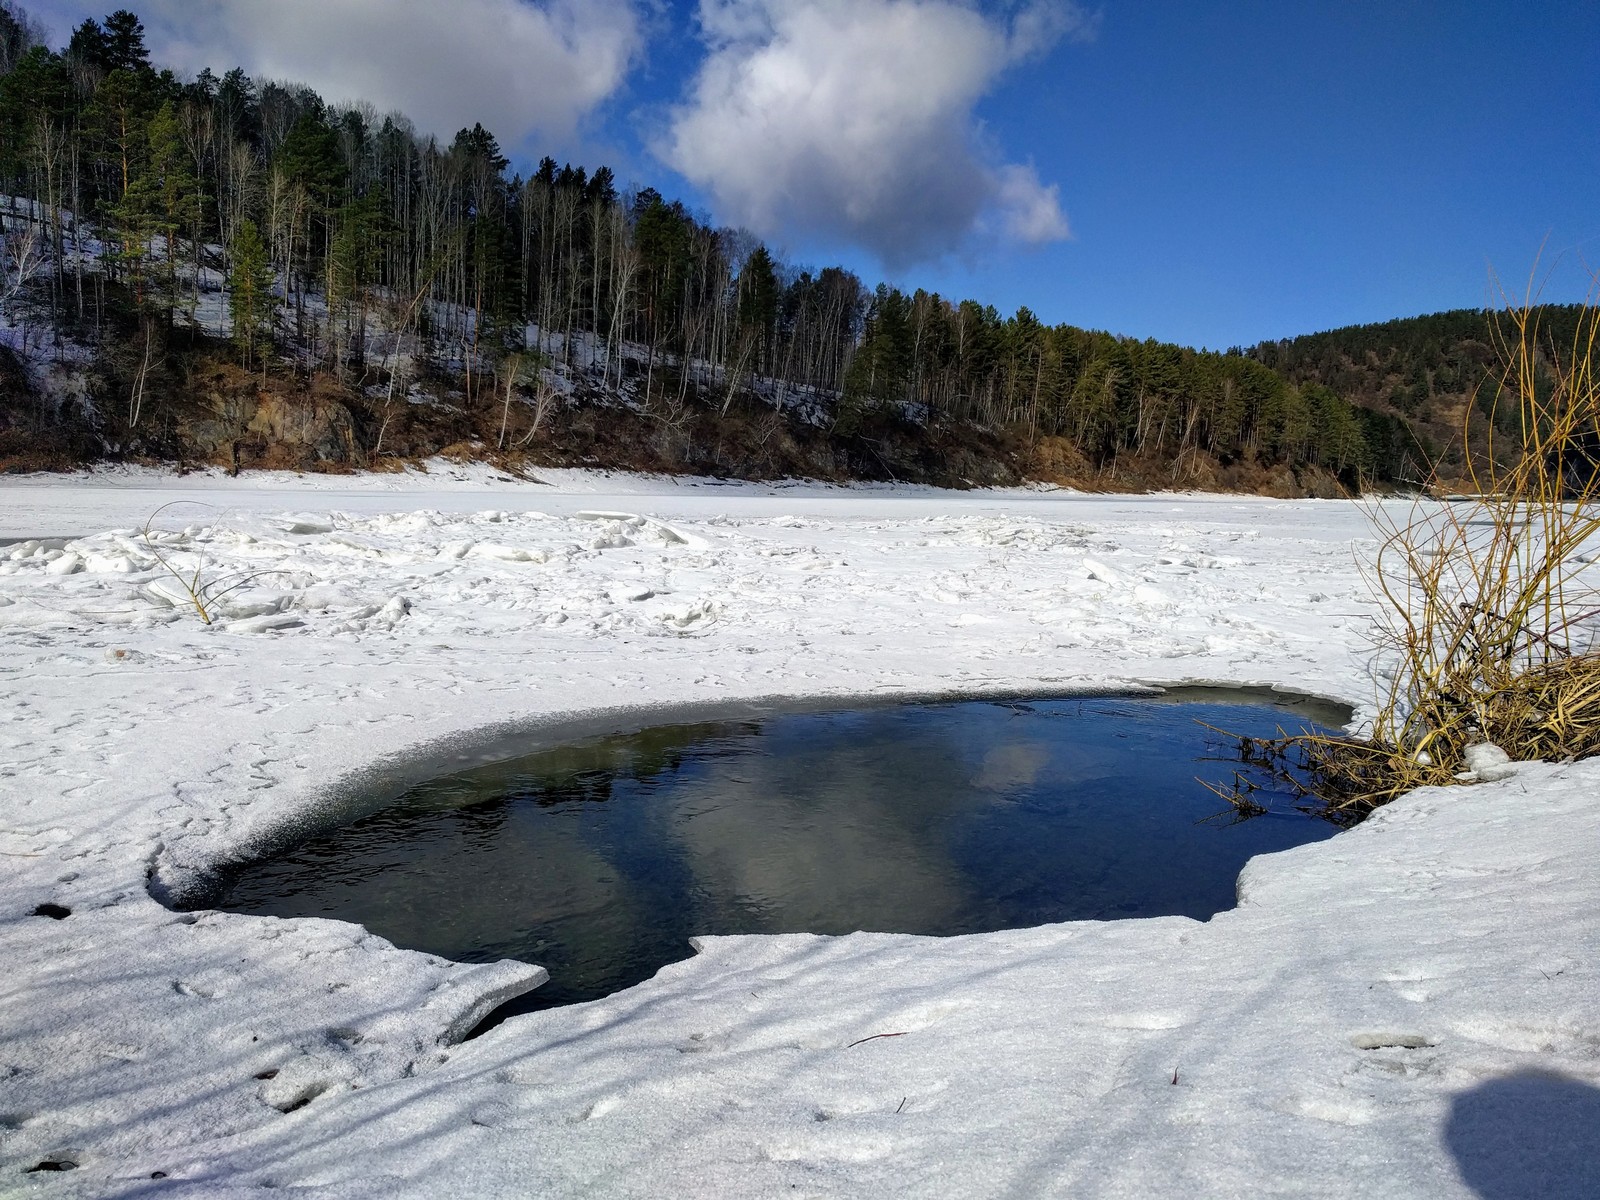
1409 1009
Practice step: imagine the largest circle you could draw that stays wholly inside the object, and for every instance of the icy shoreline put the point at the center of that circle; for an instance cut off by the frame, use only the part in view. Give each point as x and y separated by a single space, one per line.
1327 1037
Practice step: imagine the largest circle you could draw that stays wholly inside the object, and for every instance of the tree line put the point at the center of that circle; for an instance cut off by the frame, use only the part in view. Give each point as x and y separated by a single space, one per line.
1432 372
331 225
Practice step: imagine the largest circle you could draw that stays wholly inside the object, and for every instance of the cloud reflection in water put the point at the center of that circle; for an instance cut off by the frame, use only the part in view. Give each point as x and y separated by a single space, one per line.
601 860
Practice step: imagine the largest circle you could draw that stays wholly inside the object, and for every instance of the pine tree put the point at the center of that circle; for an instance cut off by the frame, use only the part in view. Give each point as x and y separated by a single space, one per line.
89 50
758 304
124 43
250 300
353 263
164 196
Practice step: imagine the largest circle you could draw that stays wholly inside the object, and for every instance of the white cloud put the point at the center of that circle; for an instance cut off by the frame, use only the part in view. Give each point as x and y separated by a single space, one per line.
853 119
1040 24
1029 210
523 69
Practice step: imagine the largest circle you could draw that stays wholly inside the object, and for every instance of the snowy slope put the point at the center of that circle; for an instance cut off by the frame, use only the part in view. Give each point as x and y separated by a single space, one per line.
1408 1009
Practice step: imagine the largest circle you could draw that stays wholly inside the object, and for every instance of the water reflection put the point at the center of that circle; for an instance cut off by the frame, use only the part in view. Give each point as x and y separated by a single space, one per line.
828 824
601 860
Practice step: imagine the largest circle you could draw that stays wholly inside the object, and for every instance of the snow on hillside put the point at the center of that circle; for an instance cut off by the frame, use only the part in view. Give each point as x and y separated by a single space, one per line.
56 362
1409 1009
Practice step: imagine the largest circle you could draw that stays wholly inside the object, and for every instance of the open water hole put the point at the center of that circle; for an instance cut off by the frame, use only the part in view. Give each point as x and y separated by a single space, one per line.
599 860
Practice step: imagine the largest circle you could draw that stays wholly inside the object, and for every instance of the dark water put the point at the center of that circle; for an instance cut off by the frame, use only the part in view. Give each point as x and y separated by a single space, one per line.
600 860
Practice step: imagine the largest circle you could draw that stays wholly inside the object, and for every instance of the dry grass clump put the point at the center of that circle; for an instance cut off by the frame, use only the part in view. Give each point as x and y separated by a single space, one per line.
199 586
1490 625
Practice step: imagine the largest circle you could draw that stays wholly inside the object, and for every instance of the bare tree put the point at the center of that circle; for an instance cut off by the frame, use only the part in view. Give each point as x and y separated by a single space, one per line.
22 259
19 33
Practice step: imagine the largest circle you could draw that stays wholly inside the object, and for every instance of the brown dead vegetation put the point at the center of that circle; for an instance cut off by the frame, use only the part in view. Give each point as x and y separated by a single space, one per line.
1490 626
203 409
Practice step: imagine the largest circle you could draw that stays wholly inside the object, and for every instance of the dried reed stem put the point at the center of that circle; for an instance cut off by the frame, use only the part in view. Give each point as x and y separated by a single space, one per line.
1490 617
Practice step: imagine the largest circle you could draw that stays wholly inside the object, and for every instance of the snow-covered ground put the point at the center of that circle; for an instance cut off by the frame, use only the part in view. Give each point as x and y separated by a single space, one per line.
1409 1009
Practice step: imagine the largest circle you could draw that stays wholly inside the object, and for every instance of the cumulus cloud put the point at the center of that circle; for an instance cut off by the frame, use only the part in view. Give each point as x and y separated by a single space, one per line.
854 119
1029 210
524 69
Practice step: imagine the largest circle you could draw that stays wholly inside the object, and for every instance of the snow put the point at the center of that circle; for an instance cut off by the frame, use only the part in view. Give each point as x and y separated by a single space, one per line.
1488 762
1411 1008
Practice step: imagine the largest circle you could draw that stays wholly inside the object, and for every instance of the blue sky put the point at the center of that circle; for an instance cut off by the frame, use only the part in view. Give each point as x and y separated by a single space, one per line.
1259 170
1211 174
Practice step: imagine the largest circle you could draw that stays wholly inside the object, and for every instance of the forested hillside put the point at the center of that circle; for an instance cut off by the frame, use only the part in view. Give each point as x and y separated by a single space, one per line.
1426 371
231 270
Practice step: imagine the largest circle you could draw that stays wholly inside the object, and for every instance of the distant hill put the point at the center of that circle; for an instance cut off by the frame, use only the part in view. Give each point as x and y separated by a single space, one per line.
1425 370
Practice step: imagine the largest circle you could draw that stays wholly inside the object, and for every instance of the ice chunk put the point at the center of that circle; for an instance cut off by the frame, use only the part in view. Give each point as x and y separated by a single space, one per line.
264 624
1489 763
67 564
624 518
1098 570
508 553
